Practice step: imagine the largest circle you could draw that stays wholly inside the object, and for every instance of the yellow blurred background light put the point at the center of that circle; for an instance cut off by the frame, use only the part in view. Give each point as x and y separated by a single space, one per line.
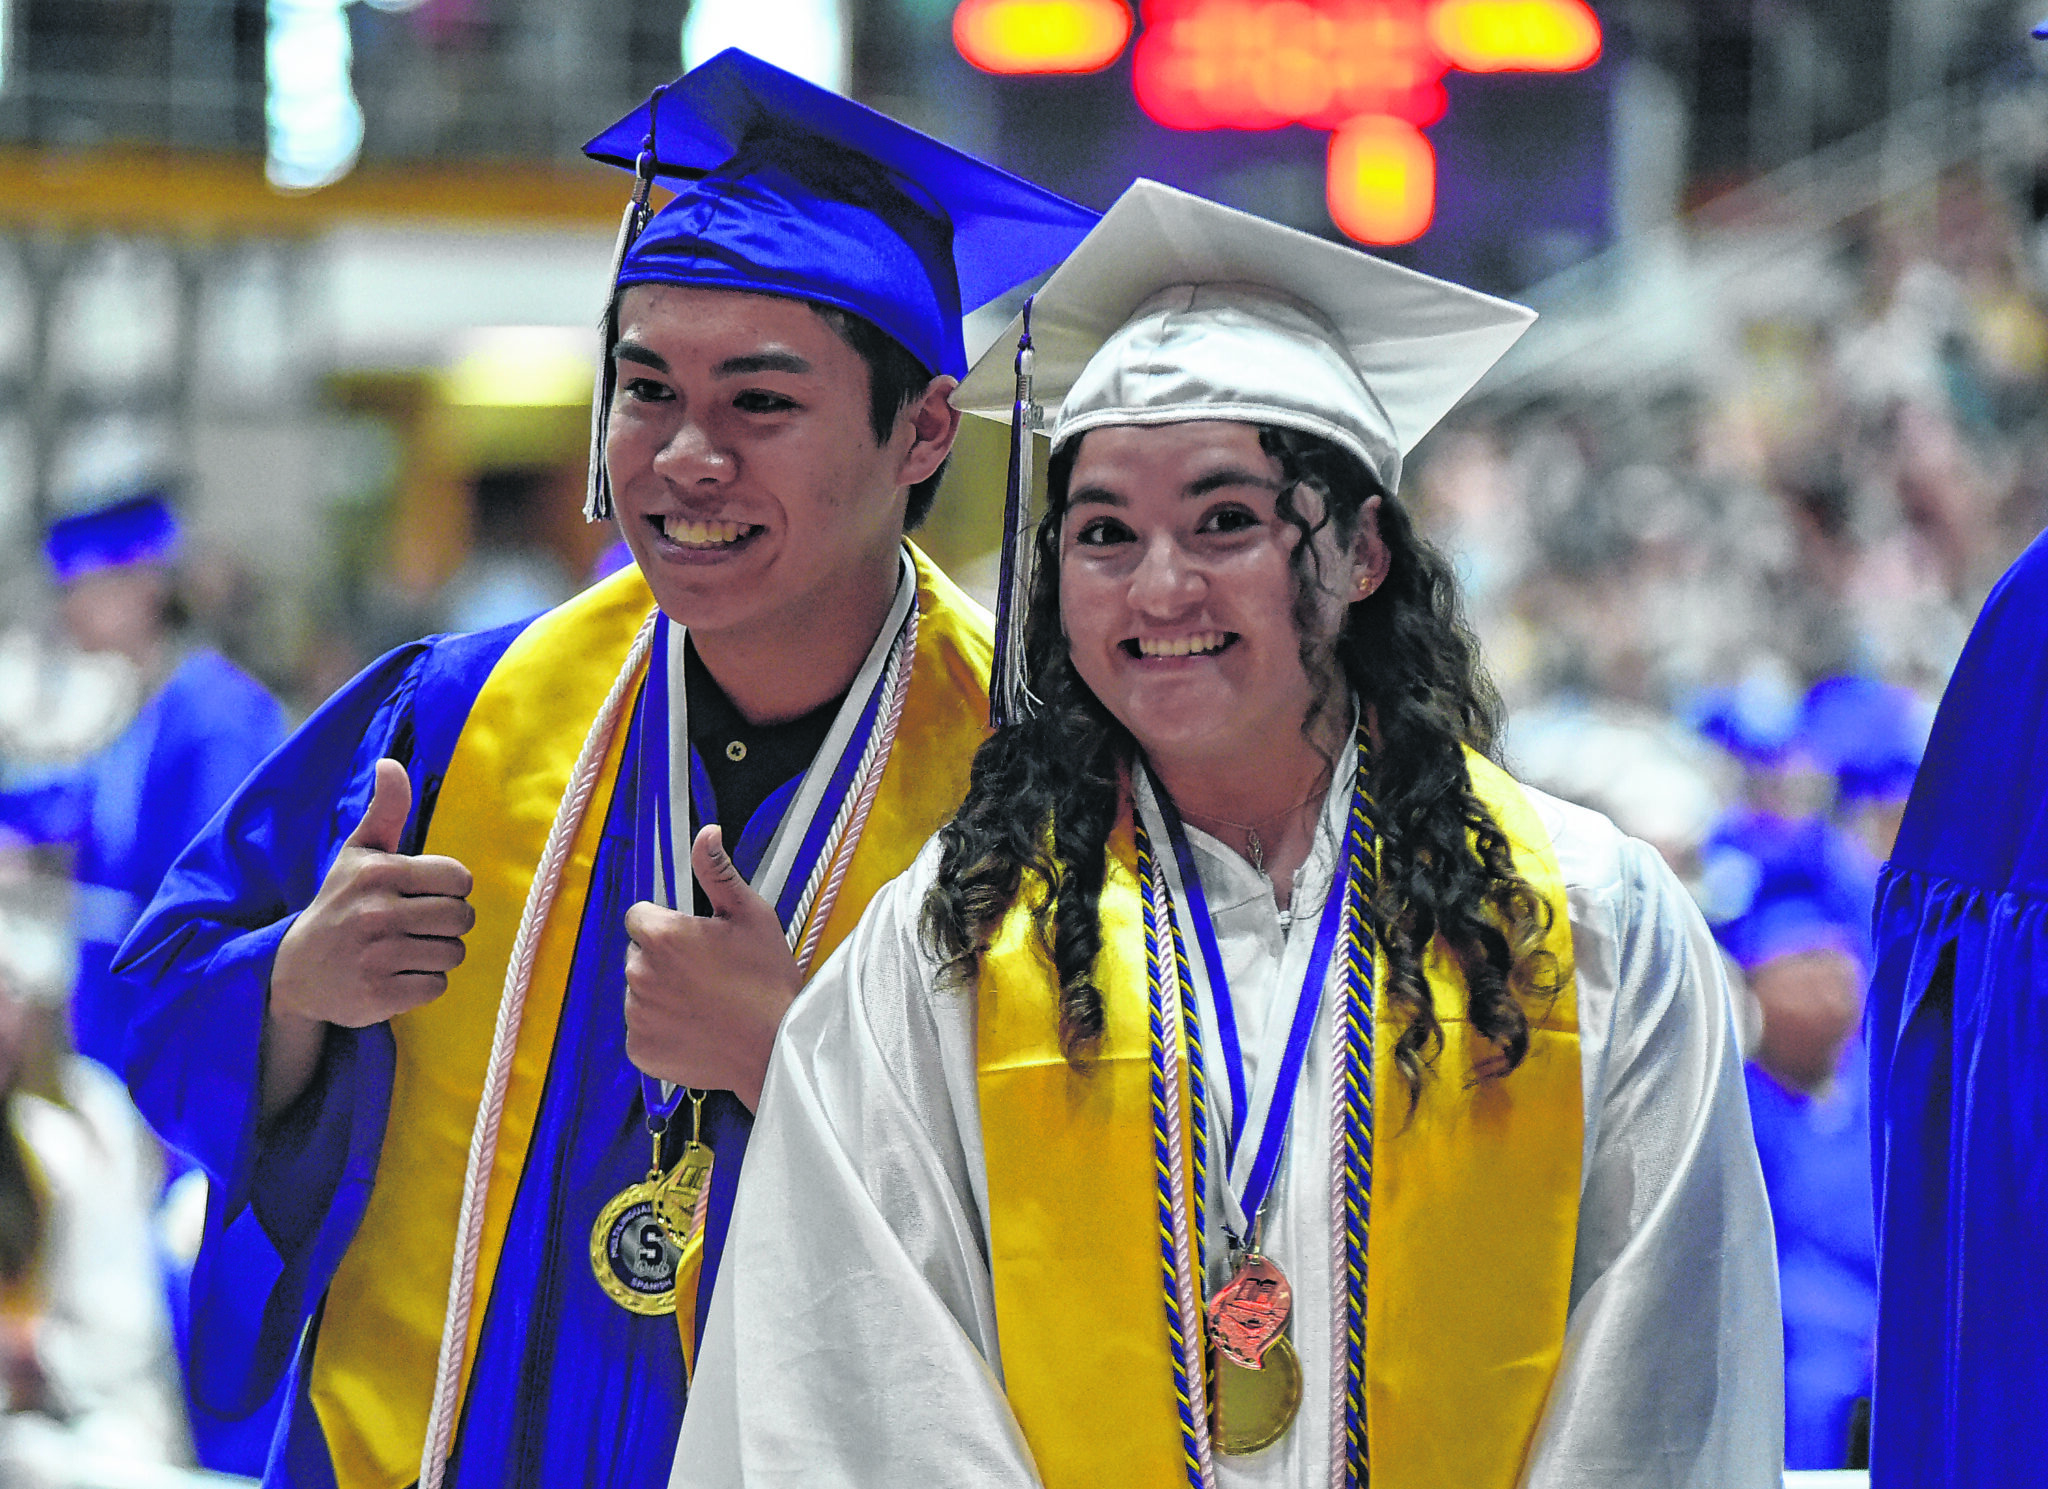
1041 36
1516 35
522 367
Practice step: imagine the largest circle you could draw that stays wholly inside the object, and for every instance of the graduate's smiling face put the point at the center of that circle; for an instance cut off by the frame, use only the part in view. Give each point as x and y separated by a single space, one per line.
747 476
1177 587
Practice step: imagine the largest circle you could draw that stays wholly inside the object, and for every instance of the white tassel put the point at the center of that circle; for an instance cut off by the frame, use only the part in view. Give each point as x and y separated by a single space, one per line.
1010 698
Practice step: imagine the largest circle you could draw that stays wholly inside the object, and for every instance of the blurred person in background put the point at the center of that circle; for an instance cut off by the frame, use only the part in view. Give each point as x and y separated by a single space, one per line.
504 822
1809 1107
126 811
87 1377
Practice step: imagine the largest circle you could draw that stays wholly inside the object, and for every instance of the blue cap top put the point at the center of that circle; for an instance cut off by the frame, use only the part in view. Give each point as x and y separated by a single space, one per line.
1786 885
137 529
1868 734
2041 32
786 188
1755 720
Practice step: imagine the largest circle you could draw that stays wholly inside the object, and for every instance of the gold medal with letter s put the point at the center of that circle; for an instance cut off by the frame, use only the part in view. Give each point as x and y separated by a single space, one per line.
631 1252
637 1244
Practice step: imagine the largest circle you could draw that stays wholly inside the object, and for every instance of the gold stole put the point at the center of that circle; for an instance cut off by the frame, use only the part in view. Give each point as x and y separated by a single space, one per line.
373 1368
1473 1223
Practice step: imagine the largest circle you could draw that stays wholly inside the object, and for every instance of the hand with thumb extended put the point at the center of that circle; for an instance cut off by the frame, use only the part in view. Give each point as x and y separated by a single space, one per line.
385 929
704 996
383 823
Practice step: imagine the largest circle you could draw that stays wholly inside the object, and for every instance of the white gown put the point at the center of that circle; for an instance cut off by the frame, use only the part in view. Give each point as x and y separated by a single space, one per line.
852 1338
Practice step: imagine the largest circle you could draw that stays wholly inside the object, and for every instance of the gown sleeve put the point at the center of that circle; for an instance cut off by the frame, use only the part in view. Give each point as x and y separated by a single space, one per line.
45 807
1672 1375
860 1138
218 724
284 1197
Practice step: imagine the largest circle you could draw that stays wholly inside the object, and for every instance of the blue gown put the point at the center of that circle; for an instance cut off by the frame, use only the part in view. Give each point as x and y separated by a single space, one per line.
1958 1036
572 1389
128 810
1815 1152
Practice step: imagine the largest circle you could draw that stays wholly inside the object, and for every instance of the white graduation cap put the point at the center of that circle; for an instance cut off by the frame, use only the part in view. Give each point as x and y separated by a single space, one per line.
1175 308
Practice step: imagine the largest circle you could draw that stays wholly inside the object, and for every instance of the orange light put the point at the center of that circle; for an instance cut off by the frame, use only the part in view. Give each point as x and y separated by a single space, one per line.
1382 180
1516 35
1041 36
1259 64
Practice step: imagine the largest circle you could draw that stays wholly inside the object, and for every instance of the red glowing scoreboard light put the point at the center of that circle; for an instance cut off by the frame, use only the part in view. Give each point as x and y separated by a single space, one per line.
1370 71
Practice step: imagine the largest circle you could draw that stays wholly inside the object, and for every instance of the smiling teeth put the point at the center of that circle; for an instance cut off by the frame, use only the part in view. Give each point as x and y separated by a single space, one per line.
1183 646
703 534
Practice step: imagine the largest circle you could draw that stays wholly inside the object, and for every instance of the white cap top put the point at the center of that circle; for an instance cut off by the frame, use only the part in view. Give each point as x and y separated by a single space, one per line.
1175 308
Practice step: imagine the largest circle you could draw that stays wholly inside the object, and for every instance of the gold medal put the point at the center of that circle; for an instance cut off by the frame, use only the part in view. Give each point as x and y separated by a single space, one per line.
1252 1409
676 1196
637 1244
1254 1373
631 1254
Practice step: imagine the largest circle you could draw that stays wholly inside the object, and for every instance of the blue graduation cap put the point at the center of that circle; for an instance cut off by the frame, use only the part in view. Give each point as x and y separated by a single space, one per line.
135 528
1867 734
1784 885
1958 1035
785 188
1754 720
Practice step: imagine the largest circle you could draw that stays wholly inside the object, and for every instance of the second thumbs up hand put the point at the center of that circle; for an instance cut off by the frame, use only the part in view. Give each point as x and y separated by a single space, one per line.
385 929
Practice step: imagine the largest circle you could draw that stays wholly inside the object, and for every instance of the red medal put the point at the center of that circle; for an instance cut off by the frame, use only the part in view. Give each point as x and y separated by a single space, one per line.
1250 1311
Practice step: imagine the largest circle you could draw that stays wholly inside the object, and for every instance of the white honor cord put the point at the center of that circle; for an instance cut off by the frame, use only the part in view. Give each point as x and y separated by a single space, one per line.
823 890
1187 1247
483 1142
778 861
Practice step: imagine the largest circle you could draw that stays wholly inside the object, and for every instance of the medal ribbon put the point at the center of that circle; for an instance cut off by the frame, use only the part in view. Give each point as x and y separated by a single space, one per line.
806 836
797 855
1251 1168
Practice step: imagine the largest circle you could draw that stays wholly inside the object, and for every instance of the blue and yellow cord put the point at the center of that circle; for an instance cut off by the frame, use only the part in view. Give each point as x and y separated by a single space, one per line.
1355 1052
1162 1163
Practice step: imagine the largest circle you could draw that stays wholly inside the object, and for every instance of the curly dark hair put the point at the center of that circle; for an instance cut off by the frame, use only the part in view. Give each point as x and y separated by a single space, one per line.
1406 655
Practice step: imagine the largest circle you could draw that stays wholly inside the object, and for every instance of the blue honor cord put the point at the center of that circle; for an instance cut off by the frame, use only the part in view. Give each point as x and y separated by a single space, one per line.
1272 1138
654 856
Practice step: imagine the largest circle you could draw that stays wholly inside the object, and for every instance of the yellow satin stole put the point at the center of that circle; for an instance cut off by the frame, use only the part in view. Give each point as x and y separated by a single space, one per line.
374 1363
1473 1223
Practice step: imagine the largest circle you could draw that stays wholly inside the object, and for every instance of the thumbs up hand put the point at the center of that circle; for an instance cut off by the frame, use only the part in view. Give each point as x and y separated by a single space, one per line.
704 996
385 929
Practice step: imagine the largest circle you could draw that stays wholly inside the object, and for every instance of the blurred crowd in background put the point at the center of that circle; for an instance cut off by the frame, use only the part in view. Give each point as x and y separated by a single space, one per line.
1723 522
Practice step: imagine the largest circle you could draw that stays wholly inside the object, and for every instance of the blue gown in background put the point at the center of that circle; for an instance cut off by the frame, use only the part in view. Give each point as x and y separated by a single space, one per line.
1815 1152
128 810
1958 1036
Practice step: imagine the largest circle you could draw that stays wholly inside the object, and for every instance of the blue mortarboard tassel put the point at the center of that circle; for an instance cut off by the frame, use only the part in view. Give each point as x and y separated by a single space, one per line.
597 496
1010 699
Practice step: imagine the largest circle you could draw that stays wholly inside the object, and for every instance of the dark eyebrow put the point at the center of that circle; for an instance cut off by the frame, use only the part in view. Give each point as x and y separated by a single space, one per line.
761 362
633 351
1229 476
1095 495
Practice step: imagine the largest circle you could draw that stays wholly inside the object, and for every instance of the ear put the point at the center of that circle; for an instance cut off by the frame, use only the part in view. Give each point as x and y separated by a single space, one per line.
933 422
1370 559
